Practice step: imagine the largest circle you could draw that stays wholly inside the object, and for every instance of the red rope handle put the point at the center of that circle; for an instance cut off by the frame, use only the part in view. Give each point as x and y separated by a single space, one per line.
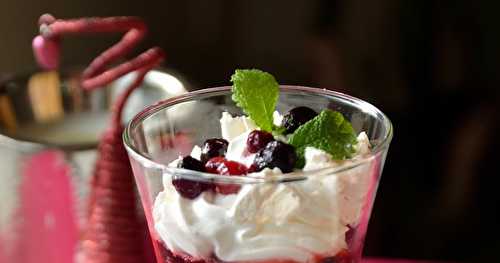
114 233
46 47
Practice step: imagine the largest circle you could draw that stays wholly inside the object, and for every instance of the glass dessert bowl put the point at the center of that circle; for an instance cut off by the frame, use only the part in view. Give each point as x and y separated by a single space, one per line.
316 213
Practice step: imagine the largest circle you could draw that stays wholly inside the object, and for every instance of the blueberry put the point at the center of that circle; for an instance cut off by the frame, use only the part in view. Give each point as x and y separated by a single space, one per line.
275 154
189 188
257 140
296 117
191 163
213 148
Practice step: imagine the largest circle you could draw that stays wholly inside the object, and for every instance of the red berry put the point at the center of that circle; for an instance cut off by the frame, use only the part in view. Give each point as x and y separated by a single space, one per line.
253 168
257 140
214 163
342 257
219 165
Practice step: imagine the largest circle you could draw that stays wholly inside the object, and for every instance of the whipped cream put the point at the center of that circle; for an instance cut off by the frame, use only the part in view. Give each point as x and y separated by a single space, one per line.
287 221
234 126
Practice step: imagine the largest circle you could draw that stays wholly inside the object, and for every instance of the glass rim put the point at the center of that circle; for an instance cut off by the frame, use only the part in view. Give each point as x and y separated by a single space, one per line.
294 176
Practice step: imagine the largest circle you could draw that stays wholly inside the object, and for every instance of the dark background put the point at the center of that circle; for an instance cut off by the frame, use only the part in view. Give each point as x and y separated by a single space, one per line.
432 66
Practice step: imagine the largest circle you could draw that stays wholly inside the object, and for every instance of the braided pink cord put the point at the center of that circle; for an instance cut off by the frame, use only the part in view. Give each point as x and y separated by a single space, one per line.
114 232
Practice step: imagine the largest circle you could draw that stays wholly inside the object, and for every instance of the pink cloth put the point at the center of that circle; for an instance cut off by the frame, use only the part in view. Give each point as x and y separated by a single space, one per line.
48 232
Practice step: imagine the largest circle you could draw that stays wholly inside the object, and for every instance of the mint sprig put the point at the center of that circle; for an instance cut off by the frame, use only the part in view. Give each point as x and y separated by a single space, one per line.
256 92
330 132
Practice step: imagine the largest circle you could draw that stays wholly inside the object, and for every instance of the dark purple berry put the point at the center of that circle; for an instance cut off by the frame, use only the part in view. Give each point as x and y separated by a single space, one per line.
257 140
189 188
275 154
213 148
191 163
296 117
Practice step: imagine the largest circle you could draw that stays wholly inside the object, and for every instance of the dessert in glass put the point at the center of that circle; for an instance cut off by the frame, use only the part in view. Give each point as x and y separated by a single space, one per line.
258 172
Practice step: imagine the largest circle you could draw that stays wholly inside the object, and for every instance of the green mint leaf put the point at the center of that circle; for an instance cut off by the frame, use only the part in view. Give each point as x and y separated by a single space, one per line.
328 131
278 130
256 92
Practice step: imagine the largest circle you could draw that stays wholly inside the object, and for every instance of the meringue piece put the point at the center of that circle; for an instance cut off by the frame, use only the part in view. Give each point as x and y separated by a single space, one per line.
196 152
236 150
231 126
277 118
363 145
317 159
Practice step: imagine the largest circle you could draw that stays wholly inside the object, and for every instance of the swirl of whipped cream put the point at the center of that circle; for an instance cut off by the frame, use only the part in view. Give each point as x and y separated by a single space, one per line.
287 221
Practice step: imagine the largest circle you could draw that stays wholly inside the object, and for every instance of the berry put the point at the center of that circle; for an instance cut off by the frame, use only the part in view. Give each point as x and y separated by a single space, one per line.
253 168
191 163
219 165
188 188
227 189
275 154
296 117
213 148
342 257
257 140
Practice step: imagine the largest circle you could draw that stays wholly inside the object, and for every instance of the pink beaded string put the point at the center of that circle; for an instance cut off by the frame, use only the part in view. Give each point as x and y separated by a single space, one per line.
114 233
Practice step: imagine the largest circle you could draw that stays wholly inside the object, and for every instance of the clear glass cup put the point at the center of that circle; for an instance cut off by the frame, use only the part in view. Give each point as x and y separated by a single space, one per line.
315 216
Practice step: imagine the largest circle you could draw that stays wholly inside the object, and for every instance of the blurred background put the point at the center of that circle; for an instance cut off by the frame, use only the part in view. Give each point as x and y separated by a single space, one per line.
430 65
